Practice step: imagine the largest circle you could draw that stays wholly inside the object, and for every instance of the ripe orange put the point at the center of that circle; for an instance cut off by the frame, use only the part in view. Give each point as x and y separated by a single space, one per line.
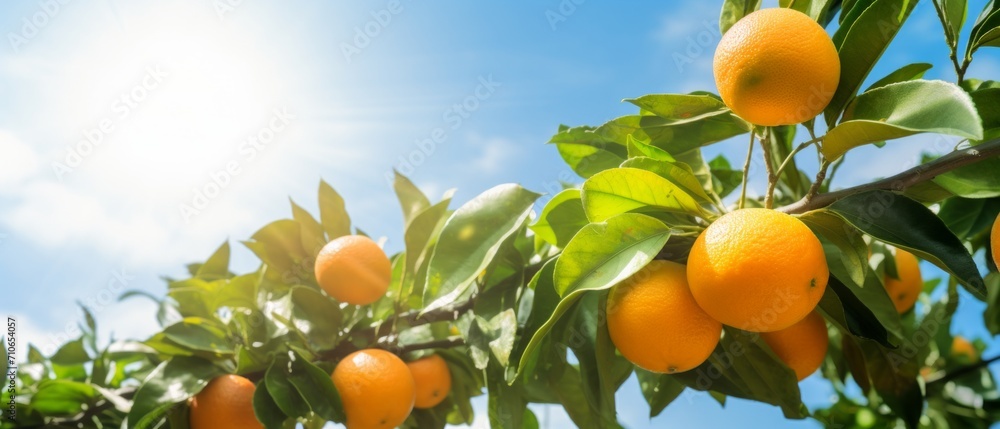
433 380
655 322
905 290
995 241
376 389
225 403
801 346
758 270
353 269
776 67
961 347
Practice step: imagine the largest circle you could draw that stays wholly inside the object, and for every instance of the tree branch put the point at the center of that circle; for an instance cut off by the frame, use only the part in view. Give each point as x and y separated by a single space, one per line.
906 179
951 375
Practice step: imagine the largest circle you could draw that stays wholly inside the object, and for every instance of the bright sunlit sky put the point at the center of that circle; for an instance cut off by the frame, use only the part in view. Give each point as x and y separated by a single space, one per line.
174 95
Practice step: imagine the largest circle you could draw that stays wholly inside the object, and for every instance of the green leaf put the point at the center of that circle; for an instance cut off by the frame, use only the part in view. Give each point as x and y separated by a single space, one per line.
91 324
658 389
622 190
907 224
217 265
677 138
952 14
903 74
903 109
543 304
744 367
637 148
470 239
734 10
315 386
196 333
588 160
561 219
698 167
265 409
587 335
986 30
603 254
678 109
504 327
820 10
171 382
894 377
61 397
979 180
987 102
969 217
864 309
285 395
313 237
853 250
861 39
279 245
316 315
505 406
991 317
677 173
598 257
333 212
71 353
411 199
419 235
724 178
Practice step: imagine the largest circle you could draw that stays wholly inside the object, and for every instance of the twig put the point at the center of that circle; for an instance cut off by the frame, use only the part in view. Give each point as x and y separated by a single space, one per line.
746 171
772 178
820 176
906 179
791 156
444 343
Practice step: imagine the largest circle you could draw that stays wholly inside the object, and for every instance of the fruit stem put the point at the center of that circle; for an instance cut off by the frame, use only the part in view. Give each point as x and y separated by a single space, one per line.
772 178
746 170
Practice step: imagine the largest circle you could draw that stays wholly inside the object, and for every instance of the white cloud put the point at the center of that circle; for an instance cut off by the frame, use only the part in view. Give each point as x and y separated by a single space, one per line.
495 153
17 162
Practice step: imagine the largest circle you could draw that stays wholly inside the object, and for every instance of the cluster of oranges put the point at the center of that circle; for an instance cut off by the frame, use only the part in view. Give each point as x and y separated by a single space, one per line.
377 389
758 270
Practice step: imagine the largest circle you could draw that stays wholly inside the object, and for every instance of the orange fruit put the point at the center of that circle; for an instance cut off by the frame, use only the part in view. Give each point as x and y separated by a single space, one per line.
655 322
376 389
353 269
225 403
801 346
757 270
433 380
995 241
905 290
961 347
776 67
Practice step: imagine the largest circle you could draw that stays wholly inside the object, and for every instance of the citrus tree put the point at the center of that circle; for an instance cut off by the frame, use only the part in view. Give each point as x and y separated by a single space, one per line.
658 264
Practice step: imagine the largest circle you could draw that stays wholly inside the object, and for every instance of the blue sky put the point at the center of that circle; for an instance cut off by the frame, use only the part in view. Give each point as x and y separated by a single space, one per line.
173 93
